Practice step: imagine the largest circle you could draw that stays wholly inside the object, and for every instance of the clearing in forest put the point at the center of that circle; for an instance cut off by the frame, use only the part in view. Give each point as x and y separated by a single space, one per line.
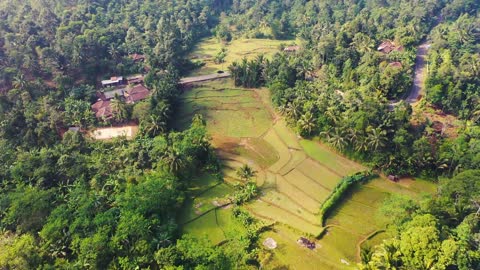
206 50
294 175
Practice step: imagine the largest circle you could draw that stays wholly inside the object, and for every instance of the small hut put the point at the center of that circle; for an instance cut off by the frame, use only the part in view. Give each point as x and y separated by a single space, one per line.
306 243
393 178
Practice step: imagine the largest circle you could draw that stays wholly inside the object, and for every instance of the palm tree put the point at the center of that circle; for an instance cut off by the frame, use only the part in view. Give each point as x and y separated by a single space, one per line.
119 109
362 43
335 138
19 82
292 110
113 51
246 172
154 125
307 123
376 139
173 160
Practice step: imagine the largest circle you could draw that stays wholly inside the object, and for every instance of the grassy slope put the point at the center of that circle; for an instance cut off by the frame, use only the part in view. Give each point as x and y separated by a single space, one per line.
206 50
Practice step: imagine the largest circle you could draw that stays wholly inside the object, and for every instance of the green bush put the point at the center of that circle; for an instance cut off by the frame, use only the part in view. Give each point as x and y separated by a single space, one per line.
339 191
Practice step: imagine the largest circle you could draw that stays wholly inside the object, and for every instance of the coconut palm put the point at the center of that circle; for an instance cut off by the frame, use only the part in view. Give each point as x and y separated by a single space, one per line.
246 172
307 123
154 125
376 139
335 137
113 51
173 160
119 109
19 82
292 110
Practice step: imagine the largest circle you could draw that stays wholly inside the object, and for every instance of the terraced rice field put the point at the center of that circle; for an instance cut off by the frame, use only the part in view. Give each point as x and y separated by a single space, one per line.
294 182
201 213
206 50
295 176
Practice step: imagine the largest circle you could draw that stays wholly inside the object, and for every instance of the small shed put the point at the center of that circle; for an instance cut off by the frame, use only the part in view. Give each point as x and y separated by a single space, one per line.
111 94
393 178
137 57
294 48
135 79
395 64
306 243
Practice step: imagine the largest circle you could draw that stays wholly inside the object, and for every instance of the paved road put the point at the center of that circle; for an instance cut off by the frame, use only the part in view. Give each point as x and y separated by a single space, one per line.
203 78
420 73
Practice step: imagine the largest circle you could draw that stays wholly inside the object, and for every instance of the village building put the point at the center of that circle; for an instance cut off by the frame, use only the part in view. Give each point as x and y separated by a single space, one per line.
291 48
389 46
136 93
395 64
135 79
113 81
102 109
120 92
137 57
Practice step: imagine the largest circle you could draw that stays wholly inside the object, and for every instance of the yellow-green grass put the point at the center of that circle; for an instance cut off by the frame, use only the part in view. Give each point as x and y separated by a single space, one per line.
290 255
258 151
206 50
296 158
286 135
309 187
284 154
215 225
358 211
201 183
205 201
340 244
284 202
269 212
297 195
376 239
227 110
319 173
329 158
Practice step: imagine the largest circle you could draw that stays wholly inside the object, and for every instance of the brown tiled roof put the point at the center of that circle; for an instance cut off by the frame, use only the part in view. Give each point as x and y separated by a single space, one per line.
137 93
388 46
396 65
102 109
135 79
137 57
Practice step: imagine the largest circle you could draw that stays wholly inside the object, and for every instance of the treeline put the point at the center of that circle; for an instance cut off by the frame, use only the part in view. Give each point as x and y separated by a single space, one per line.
80 41
453 82
97 205
437 232
339 192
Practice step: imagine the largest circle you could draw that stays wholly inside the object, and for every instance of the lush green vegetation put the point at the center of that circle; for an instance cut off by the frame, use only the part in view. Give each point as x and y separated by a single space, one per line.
435 232
217 167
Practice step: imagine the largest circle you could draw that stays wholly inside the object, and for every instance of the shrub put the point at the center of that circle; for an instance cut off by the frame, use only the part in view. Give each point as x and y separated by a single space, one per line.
339 191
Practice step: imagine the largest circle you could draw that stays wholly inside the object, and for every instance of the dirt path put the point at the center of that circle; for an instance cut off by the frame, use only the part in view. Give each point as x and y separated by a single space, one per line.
418 87
420 72
203 78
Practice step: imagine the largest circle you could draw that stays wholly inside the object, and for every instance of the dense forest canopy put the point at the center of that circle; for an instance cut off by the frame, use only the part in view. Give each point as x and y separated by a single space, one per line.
67 201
